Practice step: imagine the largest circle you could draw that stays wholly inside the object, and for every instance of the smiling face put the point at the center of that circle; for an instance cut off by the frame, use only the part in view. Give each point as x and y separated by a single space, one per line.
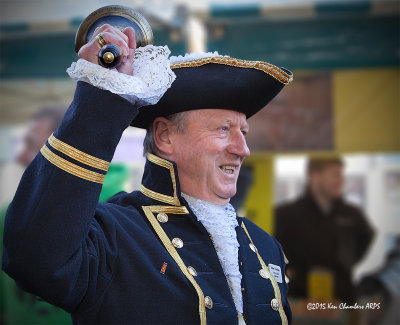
209 153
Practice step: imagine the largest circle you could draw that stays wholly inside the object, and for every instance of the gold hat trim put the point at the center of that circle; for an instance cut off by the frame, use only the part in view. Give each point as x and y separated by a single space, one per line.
268 68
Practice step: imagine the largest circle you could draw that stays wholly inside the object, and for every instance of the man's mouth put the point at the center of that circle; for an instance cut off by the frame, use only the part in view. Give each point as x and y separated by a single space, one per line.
228 169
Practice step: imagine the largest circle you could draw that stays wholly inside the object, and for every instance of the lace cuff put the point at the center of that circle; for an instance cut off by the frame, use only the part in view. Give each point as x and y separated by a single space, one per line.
152 76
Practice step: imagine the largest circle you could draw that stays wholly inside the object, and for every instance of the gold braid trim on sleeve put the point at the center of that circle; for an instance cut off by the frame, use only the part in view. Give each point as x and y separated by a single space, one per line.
70 167
77 154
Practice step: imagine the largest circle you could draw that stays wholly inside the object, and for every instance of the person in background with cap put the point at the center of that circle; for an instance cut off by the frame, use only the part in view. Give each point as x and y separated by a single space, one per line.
320 231
174 252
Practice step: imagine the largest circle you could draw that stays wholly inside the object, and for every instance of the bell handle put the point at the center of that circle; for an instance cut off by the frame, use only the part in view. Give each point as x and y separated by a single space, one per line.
110 56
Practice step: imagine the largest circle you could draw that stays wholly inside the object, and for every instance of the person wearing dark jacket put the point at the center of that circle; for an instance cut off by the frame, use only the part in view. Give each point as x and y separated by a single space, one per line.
173 252
321 232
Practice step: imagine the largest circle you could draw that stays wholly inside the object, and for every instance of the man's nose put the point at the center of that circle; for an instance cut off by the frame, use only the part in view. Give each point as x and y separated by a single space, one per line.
239 146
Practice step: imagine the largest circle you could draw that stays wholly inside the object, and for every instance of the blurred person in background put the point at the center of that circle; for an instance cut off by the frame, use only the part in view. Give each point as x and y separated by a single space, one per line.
41 125
17 306
322 235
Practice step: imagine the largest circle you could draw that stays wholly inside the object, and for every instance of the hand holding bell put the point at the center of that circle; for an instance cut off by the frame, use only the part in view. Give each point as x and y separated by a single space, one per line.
117 30
110 54
105 39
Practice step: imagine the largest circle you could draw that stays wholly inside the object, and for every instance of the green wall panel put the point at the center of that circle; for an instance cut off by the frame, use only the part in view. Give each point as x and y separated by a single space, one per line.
49 55
320 43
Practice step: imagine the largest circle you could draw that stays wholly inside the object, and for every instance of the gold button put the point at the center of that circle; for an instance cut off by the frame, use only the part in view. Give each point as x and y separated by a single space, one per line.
108 57
242 289
264 273
275 304
192 270
177 242
253 247
208 301
162 217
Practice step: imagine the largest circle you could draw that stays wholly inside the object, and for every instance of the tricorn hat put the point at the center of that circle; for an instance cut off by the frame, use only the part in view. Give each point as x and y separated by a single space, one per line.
217 82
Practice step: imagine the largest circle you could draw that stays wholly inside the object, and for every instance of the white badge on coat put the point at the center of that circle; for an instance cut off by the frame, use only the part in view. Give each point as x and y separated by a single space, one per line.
276 272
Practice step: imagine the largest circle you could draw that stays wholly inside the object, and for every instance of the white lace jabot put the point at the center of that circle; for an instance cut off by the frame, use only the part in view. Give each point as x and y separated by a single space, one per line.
220 222
152 76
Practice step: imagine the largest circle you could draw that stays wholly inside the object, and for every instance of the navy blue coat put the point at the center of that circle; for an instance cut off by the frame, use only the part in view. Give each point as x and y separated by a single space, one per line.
115 262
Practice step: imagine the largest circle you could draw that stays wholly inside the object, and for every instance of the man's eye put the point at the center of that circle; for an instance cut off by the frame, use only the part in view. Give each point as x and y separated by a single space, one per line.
224 128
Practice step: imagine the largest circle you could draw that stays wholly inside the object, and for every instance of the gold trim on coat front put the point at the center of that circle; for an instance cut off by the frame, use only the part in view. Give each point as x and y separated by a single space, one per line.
271 277
166 209
148 211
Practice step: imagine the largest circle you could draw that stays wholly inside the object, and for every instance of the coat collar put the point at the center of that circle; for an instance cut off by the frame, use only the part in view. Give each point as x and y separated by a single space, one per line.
160 180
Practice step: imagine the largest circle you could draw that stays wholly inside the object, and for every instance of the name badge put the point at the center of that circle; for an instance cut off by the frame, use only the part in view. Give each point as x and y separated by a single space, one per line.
276 272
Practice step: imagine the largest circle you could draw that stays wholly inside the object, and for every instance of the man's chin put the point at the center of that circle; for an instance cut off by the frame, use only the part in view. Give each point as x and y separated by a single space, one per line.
227 195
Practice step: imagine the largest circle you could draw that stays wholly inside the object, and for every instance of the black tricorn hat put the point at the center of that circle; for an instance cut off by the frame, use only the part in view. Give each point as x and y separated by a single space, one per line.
217 82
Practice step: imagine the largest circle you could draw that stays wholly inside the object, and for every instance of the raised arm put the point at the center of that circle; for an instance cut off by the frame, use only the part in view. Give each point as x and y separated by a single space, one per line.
54 246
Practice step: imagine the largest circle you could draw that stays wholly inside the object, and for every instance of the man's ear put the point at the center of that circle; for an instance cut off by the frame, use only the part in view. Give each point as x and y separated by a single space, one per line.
162 131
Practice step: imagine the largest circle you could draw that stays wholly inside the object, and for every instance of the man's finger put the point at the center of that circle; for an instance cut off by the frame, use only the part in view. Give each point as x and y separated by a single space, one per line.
130 33
112 38
126 63
110 29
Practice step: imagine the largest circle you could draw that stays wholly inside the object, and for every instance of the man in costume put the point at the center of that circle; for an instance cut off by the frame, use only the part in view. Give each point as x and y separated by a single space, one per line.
174 252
